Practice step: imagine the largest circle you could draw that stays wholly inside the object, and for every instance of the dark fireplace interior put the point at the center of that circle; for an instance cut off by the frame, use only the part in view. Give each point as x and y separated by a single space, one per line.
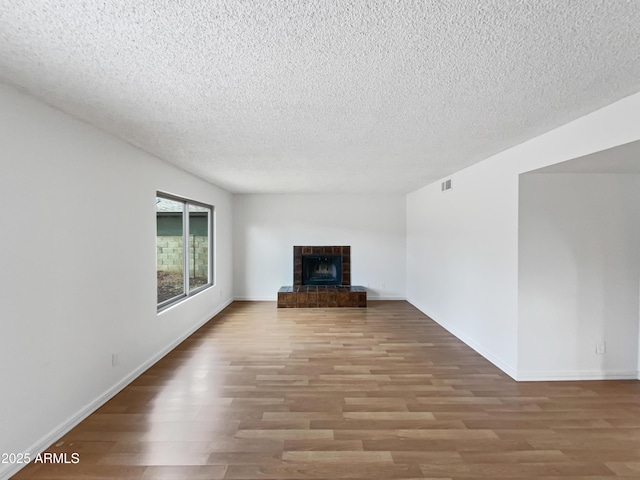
322 269
328 265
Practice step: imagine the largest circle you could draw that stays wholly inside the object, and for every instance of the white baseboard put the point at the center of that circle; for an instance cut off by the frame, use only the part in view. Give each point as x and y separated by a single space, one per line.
506 368
553 376
255 299
41 445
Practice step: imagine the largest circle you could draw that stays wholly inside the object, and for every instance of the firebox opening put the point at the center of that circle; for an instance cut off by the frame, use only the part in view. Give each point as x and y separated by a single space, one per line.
321 269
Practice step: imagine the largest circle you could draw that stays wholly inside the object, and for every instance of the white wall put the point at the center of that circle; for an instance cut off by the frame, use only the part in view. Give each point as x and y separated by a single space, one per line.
579 271
462 260
462 245
77 281
268 226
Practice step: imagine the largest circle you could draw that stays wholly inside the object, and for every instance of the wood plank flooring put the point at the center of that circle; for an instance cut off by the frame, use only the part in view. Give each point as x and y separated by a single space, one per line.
375 393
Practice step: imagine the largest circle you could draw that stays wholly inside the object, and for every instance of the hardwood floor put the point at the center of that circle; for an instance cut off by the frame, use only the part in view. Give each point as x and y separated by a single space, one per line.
375 393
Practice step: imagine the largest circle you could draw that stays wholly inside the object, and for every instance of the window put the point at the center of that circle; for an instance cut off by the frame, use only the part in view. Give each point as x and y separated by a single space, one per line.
183 248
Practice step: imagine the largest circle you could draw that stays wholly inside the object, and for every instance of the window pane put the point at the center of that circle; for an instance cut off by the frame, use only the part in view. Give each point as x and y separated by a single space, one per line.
198 246
170 248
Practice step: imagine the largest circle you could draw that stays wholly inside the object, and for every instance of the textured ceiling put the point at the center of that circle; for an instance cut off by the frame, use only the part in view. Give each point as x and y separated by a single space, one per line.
323 96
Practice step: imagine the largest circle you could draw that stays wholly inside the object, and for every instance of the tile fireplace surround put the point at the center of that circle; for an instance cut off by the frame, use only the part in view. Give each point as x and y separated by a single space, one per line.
320 296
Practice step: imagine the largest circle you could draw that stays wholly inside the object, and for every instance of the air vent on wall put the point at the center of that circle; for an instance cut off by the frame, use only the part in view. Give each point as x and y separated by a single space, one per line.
446 185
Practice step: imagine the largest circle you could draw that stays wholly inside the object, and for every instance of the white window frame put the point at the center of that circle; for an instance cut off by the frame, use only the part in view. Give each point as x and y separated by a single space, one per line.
186 292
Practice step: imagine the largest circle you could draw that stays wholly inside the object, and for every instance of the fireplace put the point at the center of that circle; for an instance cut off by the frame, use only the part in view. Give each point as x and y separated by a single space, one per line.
321 279
322 265
322 270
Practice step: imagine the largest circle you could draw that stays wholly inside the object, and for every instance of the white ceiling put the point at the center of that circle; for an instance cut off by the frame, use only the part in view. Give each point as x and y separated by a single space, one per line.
323 96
